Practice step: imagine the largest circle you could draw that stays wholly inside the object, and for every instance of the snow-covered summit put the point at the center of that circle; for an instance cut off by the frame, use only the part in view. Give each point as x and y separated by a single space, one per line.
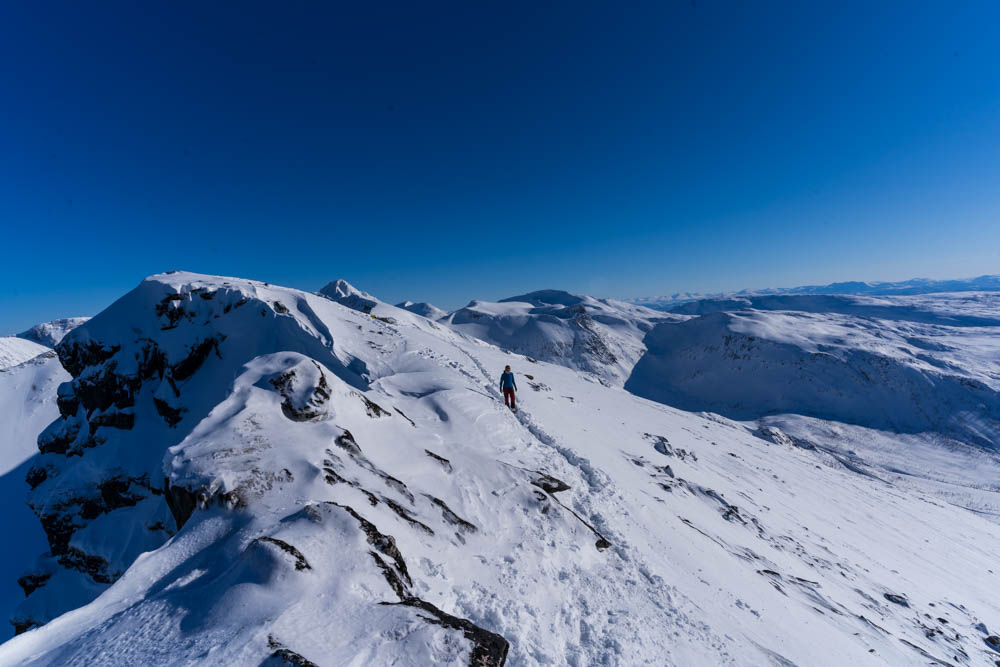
50 333
424 309
347 294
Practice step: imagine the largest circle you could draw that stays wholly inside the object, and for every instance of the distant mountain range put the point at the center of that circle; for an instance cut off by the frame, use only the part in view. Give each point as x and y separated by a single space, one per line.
985 283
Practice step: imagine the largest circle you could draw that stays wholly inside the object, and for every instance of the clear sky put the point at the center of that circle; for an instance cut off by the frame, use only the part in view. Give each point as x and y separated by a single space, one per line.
449 151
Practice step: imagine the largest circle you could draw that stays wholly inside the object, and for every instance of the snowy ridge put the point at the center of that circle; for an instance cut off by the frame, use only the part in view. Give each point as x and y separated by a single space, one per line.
914 286
428 310
244 473
598 336
14 351
906 365
50 333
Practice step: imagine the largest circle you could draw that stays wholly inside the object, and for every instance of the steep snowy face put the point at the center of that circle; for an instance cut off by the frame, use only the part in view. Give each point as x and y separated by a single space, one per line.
14 351
906 365
598 336
50 333
424 309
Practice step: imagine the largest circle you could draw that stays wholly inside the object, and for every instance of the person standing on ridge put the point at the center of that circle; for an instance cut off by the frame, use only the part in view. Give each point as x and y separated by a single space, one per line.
508 387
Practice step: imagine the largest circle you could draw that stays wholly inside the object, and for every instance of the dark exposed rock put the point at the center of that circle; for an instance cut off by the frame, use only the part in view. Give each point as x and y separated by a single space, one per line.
374 410
548 483
67 402
120 420
445 463
300 561
186 367
32 581
401 414
452 518
170 414
181 501
284 656
346 441
93 566
406 516
660 444
75 357
57 438
104 387
38 474
24 626
896 599
993 641
166 308
313 408
488 649
280 307
386 546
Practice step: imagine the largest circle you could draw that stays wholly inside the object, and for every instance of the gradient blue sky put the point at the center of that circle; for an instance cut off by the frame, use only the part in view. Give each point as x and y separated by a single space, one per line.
448 151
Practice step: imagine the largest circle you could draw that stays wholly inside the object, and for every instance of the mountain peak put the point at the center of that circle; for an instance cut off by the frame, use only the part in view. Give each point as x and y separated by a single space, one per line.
546 297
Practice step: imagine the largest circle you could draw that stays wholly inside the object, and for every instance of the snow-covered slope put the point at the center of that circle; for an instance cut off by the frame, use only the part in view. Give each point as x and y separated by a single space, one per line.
27 405
906 364
598 336
14 351
50 333
267 475
428 310
984 283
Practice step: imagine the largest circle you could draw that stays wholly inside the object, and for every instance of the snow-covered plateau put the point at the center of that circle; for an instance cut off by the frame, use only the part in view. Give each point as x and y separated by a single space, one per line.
232 472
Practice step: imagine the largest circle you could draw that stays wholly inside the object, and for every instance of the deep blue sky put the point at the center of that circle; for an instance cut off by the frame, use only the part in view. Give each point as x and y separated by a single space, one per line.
449 151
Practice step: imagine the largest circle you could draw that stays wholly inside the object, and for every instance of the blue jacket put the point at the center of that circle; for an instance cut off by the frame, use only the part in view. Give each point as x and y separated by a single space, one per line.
507 380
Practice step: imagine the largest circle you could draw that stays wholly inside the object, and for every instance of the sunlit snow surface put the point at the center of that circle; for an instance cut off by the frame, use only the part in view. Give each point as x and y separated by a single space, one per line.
309 432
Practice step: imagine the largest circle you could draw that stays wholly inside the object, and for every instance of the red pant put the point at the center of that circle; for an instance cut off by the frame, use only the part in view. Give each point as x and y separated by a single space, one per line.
508 398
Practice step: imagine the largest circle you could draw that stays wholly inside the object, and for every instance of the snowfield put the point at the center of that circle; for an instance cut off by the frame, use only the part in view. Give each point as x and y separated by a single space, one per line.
14 351
245 474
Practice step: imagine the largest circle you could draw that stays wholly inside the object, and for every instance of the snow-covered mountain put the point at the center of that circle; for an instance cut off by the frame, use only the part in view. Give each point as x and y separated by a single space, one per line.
245 473
428 310
348 295
50 333
598 336
986 283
